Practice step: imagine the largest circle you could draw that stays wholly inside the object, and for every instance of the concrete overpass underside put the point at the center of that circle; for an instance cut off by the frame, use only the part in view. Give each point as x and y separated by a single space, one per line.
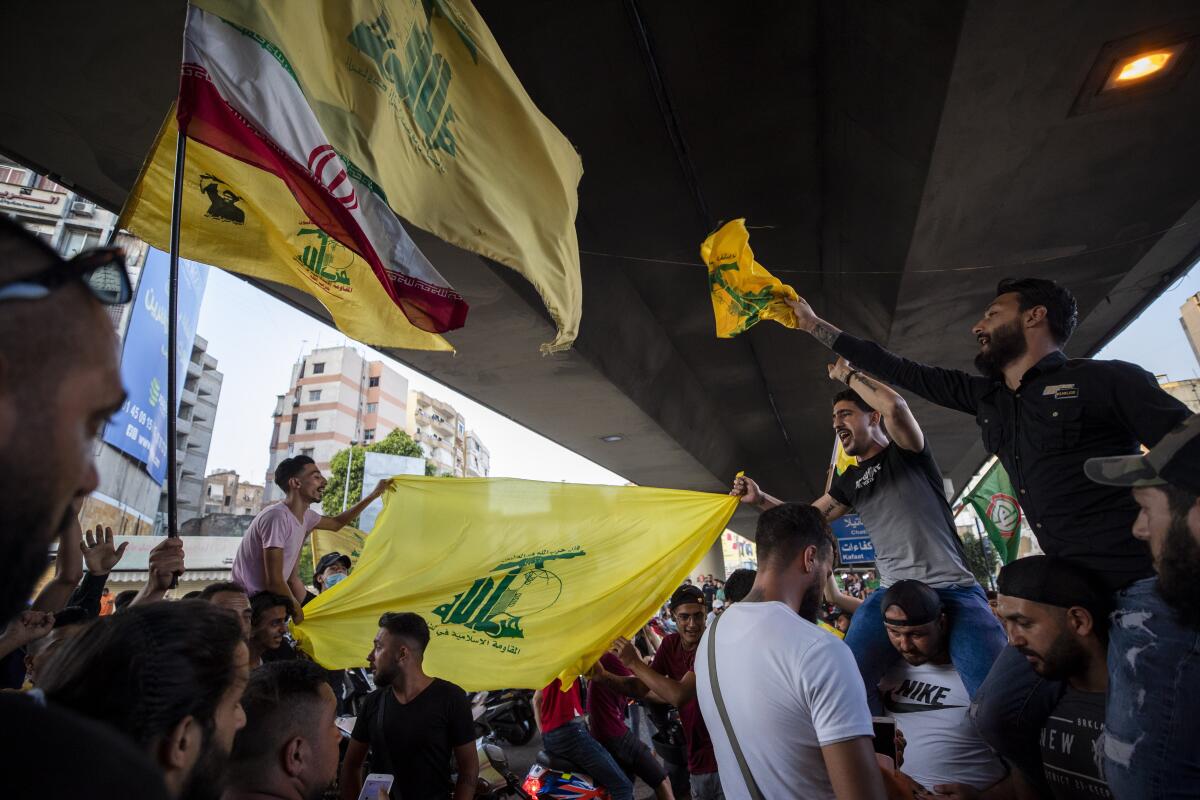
894 160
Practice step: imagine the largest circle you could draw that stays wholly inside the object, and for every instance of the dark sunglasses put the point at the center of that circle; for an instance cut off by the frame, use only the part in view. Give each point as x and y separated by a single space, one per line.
102 271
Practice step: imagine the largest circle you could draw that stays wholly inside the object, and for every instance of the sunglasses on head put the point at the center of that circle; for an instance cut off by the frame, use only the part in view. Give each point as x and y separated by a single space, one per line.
102 271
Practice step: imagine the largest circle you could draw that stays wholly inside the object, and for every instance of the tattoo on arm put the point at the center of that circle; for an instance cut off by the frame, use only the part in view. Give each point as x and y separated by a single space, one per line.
865 381
825 333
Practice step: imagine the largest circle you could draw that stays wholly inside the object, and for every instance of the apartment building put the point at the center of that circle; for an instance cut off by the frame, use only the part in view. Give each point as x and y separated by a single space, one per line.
226 493
336 397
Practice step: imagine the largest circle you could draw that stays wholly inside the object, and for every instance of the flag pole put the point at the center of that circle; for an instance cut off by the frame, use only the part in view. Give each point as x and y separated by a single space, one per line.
172 342
983 552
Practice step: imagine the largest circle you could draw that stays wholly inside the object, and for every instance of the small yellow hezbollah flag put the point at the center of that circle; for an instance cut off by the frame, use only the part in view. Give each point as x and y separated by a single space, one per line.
423 112
841 462
348 541
743 292
520 581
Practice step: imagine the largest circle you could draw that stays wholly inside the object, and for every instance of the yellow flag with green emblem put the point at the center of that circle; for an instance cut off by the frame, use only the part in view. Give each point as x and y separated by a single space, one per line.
416 104
743 292
520 581
348 541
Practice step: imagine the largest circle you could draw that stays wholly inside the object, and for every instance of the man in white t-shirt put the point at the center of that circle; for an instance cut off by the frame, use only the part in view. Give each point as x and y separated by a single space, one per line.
791 691
926 696
268 559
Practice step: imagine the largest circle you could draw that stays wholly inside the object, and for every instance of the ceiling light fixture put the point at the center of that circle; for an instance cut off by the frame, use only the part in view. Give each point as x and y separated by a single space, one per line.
1139 68
612 437
1136 69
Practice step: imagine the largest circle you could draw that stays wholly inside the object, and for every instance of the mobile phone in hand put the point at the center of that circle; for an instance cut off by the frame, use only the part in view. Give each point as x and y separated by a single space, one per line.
885 736
374 782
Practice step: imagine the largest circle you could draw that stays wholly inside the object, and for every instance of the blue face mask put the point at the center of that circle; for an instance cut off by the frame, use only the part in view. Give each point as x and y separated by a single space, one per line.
335 578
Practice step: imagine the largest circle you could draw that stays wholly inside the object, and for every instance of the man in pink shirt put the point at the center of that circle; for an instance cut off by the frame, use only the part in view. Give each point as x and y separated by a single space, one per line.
268 558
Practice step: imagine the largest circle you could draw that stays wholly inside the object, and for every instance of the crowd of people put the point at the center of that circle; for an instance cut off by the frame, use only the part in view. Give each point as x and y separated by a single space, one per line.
1080 678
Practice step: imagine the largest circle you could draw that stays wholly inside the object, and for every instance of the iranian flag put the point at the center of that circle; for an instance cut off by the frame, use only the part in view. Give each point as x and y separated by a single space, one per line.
332 233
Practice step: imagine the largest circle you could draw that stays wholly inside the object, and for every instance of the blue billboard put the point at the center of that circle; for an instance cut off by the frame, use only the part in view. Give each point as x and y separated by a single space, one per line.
854 545
140 427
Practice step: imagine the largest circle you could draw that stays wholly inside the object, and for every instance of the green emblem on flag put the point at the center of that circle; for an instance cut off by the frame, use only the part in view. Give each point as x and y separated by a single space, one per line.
996 503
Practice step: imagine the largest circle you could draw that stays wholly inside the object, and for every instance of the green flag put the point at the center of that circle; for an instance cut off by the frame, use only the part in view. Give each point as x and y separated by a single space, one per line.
995 501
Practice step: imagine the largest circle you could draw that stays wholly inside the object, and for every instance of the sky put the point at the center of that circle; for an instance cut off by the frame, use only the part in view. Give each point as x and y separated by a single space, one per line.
256 340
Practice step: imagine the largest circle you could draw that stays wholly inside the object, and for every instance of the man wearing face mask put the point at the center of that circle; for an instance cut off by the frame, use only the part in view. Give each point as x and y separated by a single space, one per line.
331 570
413 723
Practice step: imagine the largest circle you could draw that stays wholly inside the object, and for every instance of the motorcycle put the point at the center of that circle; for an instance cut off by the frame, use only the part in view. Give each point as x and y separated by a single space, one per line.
555 778
496 778
508 713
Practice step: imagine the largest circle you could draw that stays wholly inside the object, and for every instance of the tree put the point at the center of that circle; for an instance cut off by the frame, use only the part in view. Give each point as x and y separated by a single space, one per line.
306 562
982 559
396 443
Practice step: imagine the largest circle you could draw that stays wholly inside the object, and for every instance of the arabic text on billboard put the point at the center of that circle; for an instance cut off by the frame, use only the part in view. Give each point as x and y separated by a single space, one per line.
140 427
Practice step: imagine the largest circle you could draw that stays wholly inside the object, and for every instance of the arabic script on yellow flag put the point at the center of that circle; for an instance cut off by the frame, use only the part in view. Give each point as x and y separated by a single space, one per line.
520 581
419 96
743 292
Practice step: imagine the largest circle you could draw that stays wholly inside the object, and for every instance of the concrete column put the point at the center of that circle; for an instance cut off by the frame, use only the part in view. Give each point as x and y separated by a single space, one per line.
713 562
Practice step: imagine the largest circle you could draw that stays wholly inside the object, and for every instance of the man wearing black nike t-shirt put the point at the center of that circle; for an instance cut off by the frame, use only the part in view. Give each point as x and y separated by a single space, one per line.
412 723
59 384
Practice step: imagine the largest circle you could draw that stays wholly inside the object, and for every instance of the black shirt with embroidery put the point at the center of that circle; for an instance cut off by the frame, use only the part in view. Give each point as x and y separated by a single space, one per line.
1065 412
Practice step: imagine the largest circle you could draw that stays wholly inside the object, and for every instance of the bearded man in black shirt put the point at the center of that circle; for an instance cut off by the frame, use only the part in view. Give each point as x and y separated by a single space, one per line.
412 723
1043 415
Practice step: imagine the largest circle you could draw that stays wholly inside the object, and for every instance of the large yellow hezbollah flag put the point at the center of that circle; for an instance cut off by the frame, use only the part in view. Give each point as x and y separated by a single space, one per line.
520 581
743 292
417 95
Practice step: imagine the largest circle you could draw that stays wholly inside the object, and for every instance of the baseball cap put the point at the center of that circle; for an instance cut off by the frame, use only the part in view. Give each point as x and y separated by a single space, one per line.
1053 582
329 559
1175 460
920 603
686 594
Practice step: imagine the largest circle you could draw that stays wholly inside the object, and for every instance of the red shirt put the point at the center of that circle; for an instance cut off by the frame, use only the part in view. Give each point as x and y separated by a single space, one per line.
606 707
559 707
674 661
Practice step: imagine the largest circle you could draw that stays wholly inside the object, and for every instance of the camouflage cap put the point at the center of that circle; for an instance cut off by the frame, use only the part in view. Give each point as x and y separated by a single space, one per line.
1175 460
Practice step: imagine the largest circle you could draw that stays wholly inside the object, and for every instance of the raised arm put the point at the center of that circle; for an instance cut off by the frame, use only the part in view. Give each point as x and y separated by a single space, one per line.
68 569
902 426
746 490
839 598
343 519
677 693
166 560
947 387
627 685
